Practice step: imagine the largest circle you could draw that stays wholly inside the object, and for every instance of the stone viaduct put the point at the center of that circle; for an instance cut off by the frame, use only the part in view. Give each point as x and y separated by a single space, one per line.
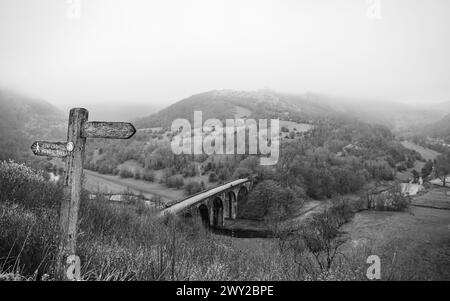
214 205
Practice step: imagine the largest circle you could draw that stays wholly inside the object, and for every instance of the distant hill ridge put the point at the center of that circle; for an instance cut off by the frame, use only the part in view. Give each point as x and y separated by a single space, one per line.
223 104
307 107
439 129
23 119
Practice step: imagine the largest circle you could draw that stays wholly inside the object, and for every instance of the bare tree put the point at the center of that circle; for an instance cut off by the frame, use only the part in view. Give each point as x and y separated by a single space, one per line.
443 167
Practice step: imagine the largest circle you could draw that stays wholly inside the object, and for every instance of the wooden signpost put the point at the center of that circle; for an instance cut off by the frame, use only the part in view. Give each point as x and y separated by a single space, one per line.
73 153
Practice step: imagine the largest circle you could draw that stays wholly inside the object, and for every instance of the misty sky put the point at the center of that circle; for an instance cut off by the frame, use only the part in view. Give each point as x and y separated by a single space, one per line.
158 52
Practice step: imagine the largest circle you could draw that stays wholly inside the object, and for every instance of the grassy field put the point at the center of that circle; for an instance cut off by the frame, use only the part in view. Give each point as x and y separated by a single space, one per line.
114 184
437 197
426 153
412 245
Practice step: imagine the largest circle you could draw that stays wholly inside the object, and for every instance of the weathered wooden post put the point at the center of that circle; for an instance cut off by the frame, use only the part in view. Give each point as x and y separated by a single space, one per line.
73 178
68 265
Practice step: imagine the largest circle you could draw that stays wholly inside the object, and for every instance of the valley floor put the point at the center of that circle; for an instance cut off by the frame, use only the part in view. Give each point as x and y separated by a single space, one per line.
427 154
114 184
412 245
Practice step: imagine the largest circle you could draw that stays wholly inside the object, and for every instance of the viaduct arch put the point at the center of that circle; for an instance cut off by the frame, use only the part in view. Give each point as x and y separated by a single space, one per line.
214 205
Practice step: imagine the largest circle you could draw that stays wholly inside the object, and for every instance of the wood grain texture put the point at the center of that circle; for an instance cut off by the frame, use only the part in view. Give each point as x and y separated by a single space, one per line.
113 130
73 183
50 149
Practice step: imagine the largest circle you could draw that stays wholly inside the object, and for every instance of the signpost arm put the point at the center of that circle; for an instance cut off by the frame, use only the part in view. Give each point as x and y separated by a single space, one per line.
73 182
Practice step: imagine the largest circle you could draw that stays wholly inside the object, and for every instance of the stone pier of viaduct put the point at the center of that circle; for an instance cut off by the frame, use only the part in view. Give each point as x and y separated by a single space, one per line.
215 204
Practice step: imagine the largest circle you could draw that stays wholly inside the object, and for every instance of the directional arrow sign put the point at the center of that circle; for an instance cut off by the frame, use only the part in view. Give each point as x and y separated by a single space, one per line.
114 130
50 149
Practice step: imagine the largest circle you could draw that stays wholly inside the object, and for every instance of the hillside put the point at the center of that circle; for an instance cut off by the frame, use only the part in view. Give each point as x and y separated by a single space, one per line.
439 129
400 117
443 106
224 104
309 108
24 119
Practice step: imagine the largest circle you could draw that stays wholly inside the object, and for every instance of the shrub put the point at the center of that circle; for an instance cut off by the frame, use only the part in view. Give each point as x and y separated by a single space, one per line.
321 238
193 187
213 177
167 173
224 174
427 169
443 167
390 201
175 181
125 173
342 212
209 166
148 175
390 161
402 167
409 163
189 171
20 183
104 166
380 170
241 173
28 239
29 219
347 180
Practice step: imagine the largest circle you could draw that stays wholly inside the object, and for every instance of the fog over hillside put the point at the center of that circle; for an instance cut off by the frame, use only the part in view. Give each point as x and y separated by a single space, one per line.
118 111
24 119
268 103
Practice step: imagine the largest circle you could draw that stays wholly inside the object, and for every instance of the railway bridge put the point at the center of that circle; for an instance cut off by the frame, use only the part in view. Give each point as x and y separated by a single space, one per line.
215 204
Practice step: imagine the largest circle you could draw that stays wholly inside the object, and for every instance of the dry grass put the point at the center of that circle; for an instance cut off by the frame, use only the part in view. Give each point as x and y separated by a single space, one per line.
419 240
436 197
